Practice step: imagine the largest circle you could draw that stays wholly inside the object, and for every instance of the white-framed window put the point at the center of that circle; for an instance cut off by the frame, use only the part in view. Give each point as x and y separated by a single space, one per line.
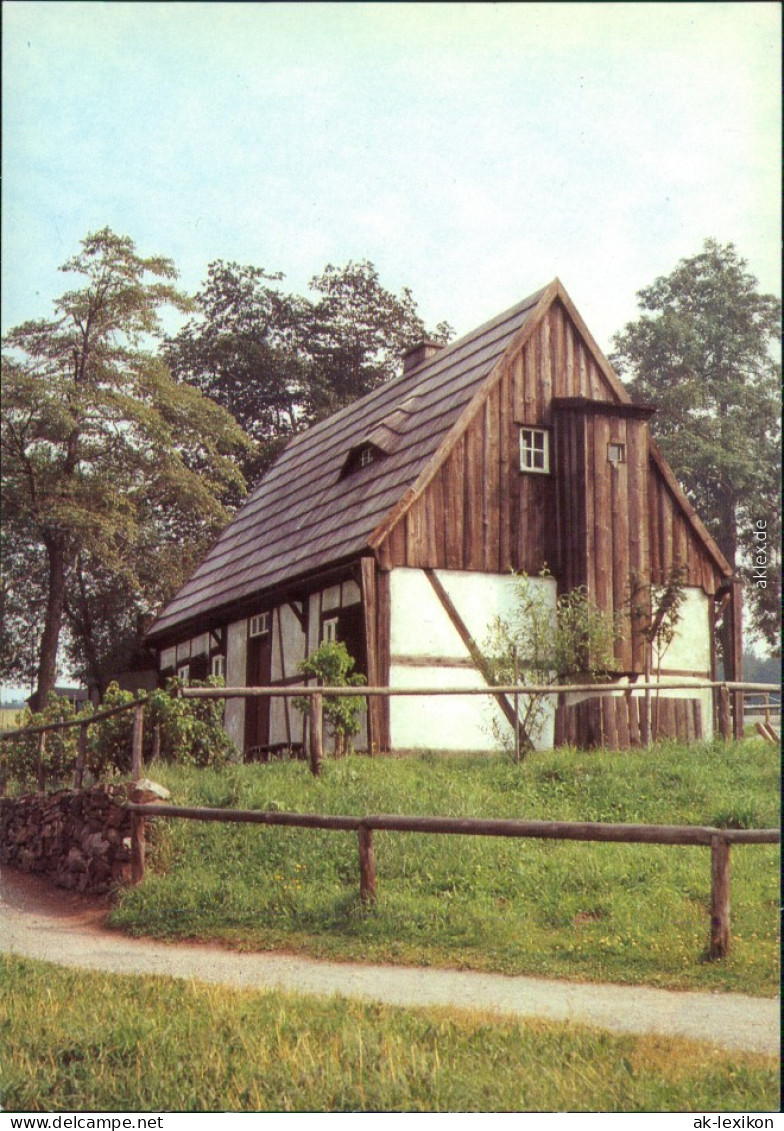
616 453
184 672
535 450
329 631
259 625
366 456
218 666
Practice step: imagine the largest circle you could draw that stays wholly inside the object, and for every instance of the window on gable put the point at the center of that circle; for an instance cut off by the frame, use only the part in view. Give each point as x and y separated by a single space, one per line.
366 456
535 450
616 453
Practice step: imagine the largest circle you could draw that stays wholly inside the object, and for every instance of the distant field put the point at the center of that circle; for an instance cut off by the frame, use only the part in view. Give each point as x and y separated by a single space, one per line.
625 913
94 1042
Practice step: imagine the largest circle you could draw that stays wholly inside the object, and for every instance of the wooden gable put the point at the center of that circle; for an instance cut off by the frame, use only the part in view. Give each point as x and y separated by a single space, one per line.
590 521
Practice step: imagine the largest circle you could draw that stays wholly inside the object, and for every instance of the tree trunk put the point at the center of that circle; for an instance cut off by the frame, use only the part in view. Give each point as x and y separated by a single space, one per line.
81 623
727 541
50 638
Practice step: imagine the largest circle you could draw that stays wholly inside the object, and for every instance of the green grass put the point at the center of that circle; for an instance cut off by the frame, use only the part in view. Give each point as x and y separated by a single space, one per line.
625 913
94 1042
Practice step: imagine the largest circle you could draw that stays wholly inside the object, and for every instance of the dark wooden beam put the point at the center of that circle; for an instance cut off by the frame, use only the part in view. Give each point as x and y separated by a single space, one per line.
480 662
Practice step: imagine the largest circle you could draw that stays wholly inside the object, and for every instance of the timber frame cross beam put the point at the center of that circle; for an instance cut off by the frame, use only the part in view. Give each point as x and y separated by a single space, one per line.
480 663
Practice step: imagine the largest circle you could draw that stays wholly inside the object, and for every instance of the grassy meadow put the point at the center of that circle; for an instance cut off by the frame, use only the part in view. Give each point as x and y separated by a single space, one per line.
591 912
78 1041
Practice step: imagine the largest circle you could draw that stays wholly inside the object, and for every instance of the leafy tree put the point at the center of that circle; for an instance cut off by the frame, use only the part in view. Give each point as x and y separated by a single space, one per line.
99 444
245 350
358 332
277 361
702 354
548 643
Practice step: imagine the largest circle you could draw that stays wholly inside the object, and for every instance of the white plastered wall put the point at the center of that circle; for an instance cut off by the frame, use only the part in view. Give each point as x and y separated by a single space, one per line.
420 627
689 652
236 675
288 648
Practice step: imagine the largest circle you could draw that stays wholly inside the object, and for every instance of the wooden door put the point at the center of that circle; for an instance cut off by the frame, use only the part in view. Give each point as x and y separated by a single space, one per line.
257 711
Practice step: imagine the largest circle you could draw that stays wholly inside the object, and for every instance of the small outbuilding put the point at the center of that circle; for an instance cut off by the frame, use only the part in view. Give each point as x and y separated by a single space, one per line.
394 526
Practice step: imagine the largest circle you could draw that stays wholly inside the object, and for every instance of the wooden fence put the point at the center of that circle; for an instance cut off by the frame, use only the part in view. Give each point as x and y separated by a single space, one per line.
613 712
604 694
719 841
136 705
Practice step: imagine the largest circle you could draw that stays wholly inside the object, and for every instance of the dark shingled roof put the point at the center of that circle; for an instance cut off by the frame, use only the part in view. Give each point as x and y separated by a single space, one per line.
305 514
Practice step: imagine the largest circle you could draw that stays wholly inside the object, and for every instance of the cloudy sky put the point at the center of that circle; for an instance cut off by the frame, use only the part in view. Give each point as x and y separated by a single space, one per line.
471 151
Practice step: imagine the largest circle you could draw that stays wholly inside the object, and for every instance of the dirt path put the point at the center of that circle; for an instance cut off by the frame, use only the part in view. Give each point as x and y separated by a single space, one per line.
38 921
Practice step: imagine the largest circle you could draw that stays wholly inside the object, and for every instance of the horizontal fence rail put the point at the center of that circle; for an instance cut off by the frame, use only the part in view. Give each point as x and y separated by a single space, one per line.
492 689
729 708
317 692
64 724
719 841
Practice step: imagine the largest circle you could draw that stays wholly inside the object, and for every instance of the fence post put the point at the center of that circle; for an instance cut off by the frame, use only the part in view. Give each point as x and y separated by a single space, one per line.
156 743
517 705
137 848
738 714
41 767
81 753
725 720
316 731
137 821
137 745
720 898
367 866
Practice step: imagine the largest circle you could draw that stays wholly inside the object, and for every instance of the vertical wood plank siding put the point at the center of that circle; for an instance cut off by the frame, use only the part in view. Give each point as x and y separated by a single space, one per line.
613 722
589 523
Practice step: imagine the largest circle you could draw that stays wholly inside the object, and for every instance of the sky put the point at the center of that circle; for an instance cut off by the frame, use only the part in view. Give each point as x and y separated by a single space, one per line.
472 152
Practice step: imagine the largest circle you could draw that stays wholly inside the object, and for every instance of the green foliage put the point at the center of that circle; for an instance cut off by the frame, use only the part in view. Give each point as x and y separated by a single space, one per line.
657 609
19 757
702 353
190 731
280 361
79 1041
108 464
546 642
590 912
186 731
332 666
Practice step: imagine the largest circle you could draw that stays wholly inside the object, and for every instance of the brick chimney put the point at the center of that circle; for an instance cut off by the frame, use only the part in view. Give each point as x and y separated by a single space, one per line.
418 354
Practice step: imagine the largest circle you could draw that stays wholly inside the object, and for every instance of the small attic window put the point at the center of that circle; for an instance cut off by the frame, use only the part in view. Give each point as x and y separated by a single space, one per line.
360 456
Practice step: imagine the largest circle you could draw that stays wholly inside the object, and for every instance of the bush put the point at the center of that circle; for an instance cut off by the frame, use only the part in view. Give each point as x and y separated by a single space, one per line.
19 757
189 731
332 665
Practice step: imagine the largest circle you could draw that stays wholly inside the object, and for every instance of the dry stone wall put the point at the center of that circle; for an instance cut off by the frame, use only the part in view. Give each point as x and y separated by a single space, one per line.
77 839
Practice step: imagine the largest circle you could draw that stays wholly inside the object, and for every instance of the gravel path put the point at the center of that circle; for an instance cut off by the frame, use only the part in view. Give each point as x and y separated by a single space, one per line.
40 922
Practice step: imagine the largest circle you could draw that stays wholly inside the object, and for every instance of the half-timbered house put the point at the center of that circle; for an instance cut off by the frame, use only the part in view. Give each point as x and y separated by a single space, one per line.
394 526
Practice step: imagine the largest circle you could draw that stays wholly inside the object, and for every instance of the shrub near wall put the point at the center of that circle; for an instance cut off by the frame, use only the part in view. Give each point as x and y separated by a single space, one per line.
78 840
